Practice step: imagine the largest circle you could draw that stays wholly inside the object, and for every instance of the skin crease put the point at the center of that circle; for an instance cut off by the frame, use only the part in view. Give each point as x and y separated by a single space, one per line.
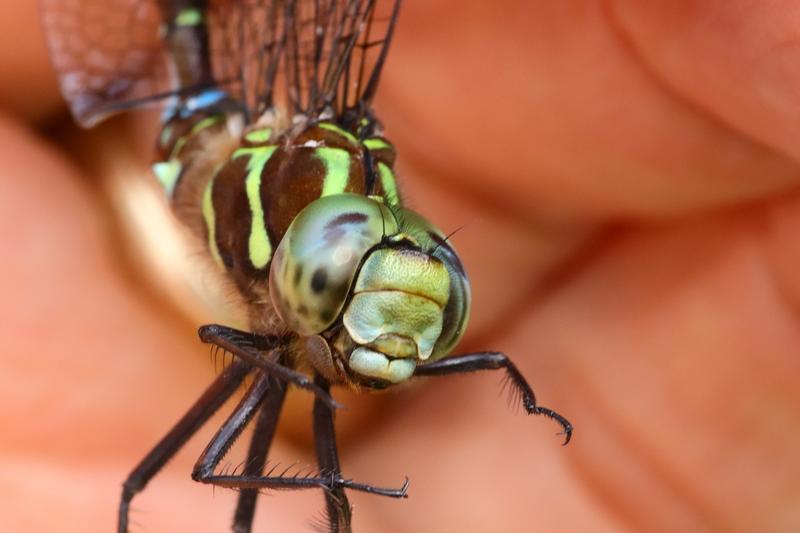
626 173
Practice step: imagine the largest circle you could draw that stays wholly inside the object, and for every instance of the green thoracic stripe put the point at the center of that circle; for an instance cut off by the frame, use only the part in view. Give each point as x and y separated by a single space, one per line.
211 224
258 246
258 136
201 125
206 122
167 174
189 17
337 169
251 150
388 183
376 143
336 129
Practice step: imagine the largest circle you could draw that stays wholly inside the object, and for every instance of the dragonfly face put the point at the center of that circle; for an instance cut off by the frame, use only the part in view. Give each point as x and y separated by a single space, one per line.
272 155
381 295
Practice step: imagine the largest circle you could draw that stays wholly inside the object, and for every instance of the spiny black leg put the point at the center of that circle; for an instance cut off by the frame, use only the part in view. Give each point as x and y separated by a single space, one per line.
211 400
493 361
231 429
339 510
297 482
232 341
257 454
245 338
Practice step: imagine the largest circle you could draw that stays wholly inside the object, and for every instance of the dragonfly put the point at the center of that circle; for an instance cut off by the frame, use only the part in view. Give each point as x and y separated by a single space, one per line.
271 153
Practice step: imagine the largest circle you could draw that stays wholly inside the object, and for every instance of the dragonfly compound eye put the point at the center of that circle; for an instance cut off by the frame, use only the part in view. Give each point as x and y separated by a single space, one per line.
318 258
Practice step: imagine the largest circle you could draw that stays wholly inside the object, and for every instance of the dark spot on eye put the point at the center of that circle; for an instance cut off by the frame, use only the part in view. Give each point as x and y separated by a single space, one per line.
298 274
319 280
326 315
303 310
333 234
347 218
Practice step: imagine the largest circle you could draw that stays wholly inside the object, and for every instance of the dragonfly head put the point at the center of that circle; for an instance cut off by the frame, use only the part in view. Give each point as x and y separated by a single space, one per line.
381 287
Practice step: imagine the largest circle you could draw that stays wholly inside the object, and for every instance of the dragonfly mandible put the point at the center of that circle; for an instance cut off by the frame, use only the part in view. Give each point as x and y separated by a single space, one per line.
272 154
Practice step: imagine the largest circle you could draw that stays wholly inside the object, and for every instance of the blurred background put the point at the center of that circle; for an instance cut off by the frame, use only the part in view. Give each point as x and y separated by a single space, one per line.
625 176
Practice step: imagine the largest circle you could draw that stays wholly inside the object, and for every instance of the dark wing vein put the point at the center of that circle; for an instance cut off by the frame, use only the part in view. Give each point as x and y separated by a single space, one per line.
310 57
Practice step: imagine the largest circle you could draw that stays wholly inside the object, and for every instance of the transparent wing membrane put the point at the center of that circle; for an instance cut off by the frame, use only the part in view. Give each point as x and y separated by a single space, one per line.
306 56
335 52
105 52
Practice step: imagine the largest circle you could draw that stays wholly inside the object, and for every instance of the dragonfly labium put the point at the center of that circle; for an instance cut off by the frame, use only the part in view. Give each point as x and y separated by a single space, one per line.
271 152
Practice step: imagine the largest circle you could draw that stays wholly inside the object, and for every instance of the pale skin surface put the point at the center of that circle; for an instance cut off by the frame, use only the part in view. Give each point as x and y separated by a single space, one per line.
639 166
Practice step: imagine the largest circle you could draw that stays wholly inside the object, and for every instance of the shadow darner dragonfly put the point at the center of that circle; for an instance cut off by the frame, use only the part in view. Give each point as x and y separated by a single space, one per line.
271 152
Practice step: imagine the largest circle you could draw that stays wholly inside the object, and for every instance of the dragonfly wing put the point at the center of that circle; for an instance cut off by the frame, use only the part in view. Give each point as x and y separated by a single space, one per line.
106 52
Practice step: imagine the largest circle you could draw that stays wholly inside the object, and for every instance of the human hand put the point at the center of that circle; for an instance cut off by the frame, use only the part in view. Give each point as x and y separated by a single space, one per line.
626 177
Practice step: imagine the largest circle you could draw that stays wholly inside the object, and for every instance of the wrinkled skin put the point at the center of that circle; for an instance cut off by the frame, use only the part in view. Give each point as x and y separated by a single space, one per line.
627 176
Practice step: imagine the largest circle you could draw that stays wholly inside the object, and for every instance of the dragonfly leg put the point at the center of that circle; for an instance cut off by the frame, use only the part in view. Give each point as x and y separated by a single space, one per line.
231 429
211 400
297 481
493 361
246 347
257 454
328 478
246 339
339 511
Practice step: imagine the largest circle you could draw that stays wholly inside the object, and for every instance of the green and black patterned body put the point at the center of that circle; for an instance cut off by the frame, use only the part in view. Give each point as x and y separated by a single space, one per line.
271 152
242 201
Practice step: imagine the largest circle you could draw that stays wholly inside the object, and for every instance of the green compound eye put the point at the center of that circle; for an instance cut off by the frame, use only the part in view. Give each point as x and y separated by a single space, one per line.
317 260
